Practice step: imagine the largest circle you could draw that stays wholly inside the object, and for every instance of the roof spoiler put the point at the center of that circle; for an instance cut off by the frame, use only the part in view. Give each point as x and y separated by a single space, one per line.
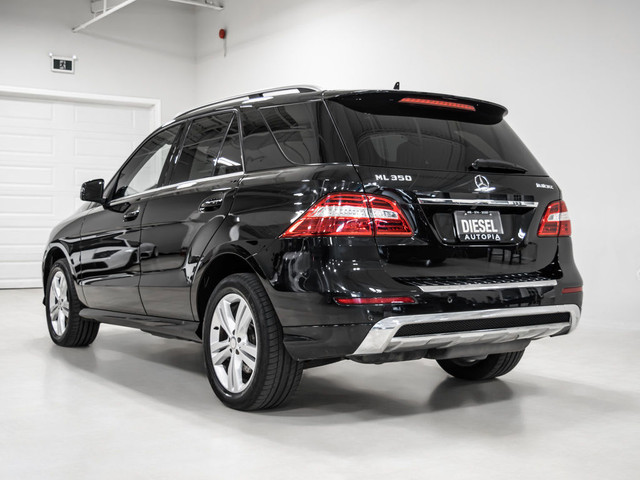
421 104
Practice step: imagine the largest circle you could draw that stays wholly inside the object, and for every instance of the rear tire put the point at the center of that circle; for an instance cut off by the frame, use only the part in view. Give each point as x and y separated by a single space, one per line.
490 367
66 327
247 365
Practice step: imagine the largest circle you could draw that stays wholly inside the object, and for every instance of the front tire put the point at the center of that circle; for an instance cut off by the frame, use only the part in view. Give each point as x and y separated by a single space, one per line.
66 327
247 365
492 366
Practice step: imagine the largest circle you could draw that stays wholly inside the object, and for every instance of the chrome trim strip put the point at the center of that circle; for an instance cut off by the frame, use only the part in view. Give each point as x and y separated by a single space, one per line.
477 202
380 338
486 286
176 186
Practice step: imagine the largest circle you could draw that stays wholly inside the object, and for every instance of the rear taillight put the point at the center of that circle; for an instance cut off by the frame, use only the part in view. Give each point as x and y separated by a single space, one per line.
555 222
351 214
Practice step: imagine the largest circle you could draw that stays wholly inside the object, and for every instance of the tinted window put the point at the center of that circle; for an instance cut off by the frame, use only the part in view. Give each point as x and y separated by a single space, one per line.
229 159
201 147
259 148
305 133
143 171
416 142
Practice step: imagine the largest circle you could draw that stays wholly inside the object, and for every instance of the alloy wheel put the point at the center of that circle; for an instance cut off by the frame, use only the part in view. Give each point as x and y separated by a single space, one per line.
59 303
233 342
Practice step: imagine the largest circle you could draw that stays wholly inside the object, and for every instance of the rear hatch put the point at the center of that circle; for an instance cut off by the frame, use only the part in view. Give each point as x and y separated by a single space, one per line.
472 191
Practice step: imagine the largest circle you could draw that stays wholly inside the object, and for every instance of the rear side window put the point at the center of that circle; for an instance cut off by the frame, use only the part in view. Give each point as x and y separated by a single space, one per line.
201 147
406 139
261 152
305 133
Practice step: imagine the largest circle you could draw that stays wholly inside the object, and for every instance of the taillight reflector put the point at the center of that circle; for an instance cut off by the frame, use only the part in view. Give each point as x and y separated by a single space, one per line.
351 214
555 221
374 300
438 103
572 290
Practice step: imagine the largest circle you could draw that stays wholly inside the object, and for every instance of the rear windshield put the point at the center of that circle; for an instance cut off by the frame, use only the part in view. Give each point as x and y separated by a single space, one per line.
418 139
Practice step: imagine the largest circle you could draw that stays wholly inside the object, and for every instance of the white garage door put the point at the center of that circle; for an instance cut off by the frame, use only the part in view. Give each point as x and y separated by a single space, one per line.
48 148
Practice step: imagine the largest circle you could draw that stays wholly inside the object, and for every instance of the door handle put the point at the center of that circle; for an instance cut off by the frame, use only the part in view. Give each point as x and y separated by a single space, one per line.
132 215
210 204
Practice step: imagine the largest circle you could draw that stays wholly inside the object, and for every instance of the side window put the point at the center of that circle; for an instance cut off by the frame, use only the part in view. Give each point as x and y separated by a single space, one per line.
142 172
201 147
259 148
229 160
305 133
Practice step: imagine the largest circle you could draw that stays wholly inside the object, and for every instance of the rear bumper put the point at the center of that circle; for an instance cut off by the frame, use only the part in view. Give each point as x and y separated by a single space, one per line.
462 331
312 273
383 336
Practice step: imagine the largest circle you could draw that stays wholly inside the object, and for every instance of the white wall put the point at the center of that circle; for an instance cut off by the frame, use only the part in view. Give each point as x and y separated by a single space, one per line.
145 50
567 70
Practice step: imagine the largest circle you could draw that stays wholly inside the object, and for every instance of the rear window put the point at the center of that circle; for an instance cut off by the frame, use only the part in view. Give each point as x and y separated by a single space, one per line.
428 138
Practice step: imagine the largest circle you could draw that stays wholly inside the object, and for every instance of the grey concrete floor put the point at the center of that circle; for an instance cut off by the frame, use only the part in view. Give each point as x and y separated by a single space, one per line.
137 406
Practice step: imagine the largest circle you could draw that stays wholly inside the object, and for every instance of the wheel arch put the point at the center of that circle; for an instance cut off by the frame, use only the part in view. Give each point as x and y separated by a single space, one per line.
54 253
220 267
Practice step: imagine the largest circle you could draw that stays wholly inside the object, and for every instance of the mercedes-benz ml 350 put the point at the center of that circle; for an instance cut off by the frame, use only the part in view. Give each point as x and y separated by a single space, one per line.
292 228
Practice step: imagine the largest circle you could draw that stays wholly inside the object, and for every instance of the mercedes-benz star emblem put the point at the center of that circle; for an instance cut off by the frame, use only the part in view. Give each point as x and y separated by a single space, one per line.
482 182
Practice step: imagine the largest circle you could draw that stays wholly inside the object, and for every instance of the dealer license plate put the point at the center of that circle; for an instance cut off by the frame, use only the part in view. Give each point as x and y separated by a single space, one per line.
478 226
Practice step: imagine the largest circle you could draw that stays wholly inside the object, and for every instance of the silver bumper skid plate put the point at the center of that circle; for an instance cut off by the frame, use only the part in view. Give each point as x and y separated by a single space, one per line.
381 338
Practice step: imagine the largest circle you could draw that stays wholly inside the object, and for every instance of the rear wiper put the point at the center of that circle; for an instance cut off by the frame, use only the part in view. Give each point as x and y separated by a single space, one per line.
495 165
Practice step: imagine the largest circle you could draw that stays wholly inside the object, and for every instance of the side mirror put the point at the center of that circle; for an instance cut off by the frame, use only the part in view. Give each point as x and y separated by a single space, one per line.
92 191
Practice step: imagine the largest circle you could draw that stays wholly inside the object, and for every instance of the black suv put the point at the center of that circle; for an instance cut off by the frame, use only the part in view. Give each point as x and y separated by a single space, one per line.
292 228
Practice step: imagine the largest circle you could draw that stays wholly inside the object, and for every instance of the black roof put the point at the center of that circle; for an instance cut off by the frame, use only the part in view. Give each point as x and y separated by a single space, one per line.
295 94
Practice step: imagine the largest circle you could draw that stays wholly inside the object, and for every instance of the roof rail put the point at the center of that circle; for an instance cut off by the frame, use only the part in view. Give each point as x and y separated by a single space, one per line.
258 94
